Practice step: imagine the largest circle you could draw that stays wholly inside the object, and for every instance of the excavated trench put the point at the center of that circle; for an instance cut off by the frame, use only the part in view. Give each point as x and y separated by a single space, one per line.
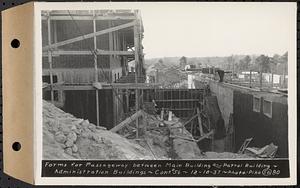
68 137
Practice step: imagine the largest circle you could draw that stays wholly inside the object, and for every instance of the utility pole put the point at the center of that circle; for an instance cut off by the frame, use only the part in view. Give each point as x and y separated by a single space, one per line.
250 79
232 74
260 78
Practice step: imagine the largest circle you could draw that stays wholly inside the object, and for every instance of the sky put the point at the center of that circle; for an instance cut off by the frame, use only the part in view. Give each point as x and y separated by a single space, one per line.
202 30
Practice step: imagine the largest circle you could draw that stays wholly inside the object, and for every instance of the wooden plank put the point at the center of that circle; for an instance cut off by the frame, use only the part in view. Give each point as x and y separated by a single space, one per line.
50 59
97 51
88 17
205 136
192 139
178 100
127 121
199 122
188 121
90 35
103 85
181 137
181 109
96 71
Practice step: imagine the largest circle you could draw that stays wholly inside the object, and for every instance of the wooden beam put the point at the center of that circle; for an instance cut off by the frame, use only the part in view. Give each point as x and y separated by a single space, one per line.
177 100
192 139
50 59
188 121
181 137
183 109
199 122
96 70
205 136
127 121
88 17
66 87
98 52
90 35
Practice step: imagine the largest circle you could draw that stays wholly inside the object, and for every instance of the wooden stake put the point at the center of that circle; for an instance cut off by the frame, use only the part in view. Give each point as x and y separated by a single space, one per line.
199 122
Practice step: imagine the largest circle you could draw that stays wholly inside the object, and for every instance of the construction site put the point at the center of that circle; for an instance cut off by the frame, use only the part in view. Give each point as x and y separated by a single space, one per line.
99 102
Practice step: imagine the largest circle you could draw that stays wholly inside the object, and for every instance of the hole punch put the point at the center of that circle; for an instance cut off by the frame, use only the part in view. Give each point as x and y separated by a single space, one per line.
15 43
16 146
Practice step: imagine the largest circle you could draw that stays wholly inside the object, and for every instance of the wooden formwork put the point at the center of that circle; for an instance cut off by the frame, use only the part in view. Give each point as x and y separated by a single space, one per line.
183 102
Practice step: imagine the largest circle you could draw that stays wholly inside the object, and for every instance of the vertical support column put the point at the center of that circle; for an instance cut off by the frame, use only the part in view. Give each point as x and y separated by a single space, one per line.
111 48
61 97
127 100
50 57
136 58
96 67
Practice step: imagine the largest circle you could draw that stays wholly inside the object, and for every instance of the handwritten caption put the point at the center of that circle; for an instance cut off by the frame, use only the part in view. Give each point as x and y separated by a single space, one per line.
209 168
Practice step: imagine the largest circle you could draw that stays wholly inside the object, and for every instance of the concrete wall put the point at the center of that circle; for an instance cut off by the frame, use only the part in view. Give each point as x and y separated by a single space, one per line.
257 125
224 95
248 123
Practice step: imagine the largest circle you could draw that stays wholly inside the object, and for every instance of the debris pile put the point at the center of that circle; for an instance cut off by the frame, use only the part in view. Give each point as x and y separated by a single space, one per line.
166 139
67 137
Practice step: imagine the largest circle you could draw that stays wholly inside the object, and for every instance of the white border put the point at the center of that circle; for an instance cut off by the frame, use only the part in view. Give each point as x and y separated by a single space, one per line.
292 108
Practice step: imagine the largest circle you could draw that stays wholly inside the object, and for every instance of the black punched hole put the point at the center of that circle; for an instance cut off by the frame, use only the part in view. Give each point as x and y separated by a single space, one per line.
16 146
15 43
3 3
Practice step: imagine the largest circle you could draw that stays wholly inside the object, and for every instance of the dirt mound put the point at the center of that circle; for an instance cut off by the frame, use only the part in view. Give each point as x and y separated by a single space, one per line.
163 142
68 137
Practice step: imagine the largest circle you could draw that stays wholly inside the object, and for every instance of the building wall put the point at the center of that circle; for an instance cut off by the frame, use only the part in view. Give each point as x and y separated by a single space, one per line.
224 95
247 123
263 129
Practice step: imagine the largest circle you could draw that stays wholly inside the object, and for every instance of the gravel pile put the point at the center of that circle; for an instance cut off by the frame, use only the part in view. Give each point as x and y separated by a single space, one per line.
68 137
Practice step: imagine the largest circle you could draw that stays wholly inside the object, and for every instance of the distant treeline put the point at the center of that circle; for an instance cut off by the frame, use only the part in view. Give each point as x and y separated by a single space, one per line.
276 64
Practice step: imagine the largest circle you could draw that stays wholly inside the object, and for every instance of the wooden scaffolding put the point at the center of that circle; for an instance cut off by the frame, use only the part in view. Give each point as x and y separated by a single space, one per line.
126 22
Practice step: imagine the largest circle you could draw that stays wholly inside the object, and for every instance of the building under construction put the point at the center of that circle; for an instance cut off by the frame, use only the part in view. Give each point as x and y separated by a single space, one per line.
85 73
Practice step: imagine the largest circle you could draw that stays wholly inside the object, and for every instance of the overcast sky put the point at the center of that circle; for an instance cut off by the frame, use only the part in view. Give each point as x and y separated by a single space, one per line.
216 30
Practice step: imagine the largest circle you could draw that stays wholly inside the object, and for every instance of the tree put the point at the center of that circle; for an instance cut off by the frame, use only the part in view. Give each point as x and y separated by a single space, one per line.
263 63
160 61
182 61
244 64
